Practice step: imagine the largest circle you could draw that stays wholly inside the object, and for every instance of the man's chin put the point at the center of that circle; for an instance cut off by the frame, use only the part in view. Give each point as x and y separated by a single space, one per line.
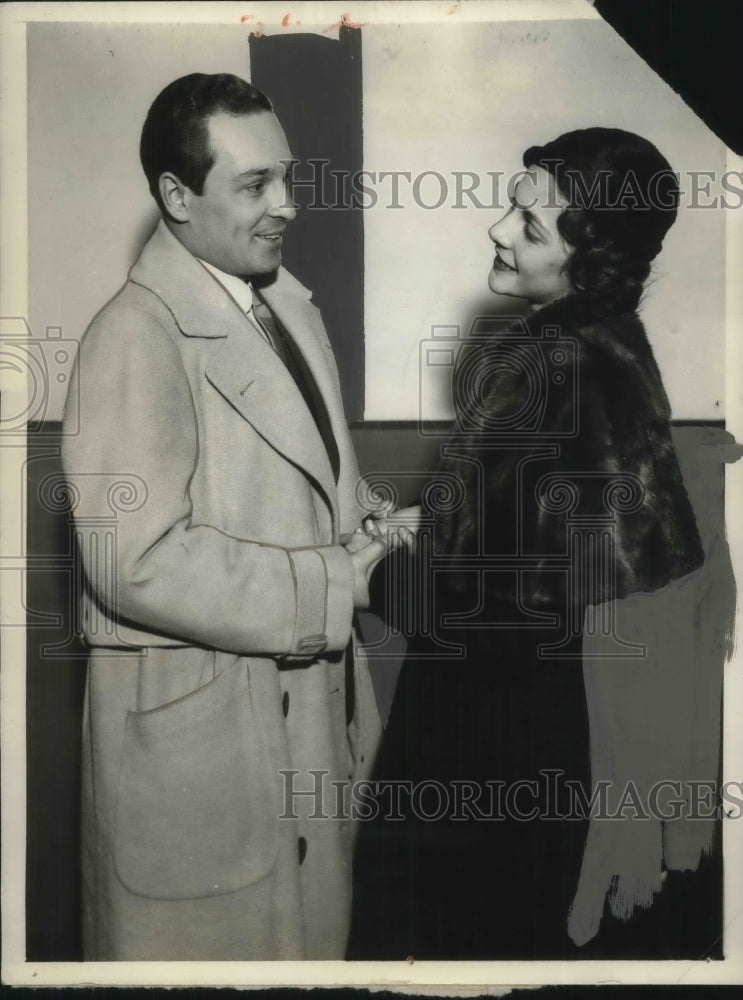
264 278
264 270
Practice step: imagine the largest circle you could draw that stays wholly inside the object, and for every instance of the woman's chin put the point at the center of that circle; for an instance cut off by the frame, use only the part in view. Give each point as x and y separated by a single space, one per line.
500 283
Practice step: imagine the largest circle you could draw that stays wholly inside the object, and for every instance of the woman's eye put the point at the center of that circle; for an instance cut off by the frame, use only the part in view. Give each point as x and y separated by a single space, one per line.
530 235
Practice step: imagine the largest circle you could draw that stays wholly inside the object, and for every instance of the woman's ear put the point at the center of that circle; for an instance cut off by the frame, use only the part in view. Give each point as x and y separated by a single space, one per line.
175 197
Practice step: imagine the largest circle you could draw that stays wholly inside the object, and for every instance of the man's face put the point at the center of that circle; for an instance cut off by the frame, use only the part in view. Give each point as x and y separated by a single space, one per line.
237 223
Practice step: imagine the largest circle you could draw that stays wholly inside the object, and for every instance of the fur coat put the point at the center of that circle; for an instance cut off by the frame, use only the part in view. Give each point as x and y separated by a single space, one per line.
557 533
563 451
574 500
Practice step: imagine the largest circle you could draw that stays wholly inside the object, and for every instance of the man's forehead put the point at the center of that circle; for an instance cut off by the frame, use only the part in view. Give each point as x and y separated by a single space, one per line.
247 141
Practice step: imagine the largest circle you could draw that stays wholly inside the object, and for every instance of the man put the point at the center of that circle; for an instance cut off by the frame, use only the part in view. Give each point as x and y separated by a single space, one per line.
214 483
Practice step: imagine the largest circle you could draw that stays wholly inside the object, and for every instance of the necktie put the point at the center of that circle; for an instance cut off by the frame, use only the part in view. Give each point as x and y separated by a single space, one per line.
264 323
297 367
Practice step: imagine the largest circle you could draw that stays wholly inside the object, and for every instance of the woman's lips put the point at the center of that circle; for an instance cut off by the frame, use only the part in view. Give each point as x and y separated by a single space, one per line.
500 265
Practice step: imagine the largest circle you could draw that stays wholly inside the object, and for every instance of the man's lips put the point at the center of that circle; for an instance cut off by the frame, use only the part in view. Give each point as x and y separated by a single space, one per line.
276 236
501 265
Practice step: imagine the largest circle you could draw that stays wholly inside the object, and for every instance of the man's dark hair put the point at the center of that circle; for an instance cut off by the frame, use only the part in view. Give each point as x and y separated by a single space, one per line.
175 136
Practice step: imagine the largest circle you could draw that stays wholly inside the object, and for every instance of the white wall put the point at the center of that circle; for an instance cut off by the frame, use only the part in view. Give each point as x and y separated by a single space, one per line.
472 99
89 208
467 97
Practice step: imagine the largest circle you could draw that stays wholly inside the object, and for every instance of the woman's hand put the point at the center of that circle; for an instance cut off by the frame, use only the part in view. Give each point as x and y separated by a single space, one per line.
403 523
406 523
366 551
384 531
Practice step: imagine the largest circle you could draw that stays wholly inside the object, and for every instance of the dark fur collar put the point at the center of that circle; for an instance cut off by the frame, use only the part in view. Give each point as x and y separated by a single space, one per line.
572 311
615 424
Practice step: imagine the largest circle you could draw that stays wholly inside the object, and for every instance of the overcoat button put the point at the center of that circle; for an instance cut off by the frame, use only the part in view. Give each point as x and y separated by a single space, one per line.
285 703
302 849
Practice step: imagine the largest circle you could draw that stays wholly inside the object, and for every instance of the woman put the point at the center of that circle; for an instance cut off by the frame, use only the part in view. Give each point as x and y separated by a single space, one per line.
564 495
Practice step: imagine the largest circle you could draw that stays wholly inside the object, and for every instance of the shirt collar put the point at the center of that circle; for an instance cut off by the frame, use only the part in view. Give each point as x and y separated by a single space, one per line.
241 291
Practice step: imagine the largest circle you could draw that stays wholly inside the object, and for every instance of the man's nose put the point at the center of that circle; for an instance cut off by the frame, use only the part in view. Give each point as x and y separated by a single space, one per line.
283 206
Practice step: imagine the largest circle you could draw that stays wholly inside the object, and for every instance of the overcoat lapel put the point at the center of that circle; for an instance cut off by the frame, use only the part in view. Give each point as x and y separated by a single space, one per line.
302 322
252 377
244 368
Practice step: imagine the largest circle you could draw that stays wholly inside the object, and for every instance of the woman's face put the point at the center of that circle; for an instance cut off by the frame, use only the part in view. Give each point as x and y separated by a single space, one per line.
530 254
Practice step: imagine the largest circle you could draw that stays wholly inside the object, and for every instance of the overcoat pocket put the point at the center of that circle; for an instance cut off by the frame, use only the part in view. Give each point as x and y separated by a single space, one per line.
196 814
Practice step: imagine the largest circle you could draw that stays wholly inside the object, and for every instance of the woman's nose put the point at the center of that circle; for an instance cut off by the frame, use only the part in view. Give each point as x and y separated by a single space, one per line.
498 232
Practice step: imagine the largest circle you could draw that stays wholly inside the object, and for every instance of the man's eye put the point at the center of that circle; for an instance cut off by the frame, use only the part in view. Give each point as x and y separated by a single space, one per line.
256 188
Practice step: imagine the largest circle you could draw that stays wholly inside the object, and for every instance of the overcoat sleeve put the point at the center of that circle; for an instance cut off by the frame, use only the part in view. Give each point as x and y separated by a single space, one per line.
169 574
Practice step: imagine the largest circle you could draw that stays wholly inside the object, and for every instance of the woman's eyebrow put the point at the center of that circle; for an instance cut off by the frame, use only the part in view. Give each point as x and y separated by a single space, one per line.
529 216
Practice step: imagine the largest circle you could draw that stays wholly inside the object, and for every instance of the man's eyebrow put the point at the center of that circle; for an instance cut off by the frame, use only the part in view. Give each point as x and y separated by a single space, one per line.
256 172
260 172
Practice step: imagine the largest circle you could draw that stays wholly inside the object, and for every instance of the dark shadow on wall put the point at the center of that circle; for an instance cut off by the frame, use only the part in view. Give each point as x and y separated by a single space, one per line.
695 48
55 683
314 84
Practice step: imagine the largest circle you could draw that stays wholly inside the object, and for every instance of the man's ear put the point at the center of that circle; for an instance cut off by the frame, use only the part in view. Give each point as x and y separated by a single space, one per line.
175 196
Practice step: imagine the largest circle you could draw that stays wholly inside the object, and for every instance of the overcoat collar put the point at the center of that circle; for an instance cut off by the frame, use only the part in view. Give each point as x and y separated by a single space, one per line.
244 368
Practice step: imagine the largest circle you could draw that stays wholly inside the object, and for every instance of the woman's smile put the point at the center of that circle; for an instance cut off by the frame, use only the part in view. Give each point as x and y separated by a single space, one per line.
500 264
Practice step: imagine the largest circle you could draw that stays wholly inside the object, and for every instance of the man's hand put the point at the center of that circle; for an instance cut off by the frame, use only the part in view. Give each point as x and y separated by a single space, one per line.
366 551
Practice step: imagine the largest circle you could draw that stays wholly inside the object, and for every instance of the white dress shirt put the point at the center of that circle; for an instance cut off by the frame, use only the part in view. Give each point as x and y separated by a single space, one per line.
242 292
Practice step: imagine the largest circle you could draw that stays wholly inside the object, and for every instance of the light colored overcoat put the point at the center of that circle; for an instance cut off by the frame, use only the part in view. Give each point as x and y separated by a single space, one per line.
218 607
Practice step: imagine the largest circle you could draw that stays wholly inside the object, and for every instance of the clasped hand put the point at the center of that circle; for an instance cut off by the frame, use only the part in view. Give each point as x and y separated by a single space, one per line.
383 531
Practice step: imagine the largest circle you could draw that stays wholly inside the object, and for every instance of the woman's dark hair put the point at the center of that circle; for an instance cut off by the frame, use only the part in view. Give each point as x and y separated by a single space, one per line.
623 197
175 136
